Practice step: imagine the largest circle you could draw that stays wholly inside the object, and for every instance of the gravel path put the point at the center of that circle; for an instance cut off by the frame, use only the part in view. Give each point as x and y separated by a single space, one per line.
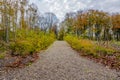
60 62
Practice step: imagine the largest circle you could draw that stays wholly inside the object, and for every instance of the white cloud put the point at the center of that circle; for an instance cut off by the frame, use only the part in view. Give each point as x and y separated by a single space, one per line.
61 7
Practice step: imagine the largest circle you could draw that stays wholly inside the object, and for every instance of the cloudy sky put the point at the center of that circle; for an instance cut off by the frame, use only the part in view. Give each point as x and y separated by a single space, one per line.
61 7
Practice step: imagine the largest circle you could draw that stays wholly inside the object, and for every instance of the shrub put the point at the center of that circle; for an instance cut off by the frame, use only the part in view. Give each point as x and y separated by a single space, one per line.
2 55
3 46
22 47
31 42
104 51
87 47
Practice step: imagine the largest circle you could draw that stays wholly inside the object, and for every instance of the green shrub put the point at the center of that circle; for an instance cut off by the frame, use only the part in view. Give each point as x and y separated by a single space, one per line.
2 55
3 46
21 47
31 42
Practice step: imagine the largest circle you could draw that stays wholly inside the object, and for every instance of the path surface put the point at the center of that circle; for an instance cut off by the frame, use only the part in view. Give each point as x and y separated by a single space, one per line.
60 62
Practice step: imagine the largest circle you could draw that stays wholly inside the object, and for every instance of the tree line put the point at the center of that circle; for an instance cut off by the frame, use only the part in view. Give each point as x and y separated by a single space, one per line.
93 24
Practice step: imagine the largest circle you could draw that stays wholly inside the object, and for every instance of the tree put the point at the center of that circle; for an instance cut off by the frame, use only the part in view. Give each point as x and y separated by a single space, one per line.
116 25
48 21
69 22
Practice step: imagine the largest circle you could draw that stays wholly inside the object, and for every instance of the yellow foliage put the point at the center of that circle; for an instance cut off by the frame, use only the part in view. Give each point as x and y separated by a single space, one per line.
88 47
31 42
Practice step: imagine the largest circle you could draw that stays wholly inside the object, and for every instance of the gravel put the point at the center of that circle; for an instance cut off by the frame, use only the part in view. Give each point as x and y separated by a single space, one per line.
60 62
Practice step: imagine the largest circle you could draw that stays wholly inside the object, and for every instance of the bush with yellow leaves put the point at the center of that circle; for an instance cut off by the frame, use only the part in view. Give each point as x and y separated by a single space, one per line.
30 42
87 47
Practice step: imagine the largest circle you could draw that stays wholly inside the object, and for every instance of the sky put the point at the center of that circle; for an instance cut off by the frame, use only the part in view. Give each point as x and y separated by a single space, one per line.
61 7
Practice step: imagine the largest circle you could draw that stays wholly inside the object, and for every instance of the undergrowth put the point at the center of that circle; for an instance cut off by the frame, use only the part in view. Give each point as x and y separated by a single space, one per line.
30 42
87 46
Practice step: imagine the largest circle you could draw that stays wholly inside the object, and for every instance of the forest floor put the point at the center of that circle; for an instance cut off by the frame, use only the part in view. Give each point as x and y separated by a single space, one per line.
60 62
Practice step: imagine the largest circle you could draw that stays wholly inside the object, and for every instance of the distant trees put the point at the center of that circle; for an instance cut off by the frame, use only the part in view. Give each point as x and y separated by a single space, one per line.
93 24
69 22
49 22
